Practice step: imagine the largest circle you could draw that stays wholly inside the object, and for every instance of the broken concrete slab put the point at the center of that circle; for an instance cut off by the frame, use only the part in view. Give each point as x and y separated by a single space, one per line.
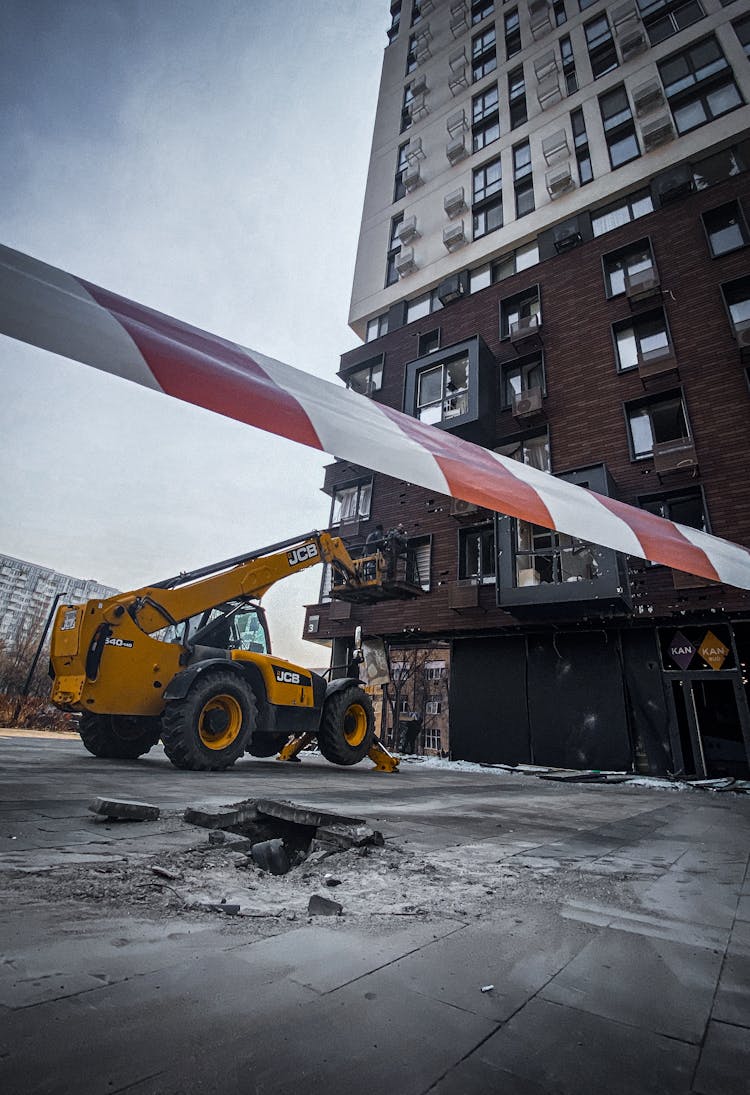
347 835
229 840
124 810
221 817
323 906
271 856
303 815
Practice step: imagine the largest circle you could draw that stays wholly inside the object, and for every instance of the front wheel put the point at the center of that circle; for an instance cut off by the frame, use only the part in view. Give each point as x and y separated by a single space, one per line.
347 727
118 737
209 729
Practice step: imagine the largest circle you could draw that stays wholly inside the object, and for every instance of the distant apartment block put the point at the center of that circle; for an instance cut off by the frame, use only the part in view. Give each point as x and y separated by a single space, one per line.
27 591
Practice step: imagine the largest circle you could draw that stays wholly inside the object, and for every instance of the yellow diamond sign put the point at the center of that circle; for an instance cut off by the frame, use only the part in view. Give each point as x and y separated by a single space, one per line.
713 651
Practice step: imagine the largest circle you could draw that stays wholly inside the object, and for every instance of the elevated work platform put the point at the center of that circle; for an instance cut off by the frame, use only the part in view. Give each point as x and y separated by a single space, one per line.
378 579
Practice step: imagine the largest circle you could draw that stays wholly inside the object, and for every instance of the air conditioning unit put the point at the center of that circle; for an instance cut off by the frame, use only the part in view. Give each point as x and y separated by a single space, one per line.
414 150
555 145
548 91
541 24
452 288
457 123
642 286
417 107
528 404
411 177
459 23
458 79
460 508
657 132
463 595
566 236
455 202
405 263
454 236
675 456
656 362
545 65
559 180
419 85
647 97
456 150
407 230
632 42
623 16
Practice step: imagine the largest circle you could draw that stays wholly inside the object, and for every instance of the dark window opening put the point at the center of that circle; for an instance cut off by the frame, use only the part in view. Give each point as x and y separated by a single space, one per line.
516 309
663 18
601 46
660 420
517 97
519 378
443 390
619 128
476 554
367 377
737 297
568 65
699 85
512 33
428 342
523 183
394 249
483 54
726 229
641 339
626 264
485 123
581 145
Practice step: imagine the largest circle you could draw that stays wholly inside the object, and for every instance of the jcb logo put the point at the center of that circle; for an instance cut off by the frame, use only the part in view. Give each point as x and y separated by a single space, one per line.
285 676
302 554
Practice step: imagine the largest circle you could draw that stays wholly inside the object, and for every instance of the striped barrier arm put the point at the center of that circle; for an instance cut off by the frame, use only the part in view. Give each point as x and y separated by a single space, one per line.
49 308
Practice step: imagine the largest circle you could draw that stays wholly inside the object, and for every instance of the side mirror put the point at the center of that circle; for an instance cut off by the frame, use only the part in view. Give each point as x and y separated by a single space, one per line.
358 637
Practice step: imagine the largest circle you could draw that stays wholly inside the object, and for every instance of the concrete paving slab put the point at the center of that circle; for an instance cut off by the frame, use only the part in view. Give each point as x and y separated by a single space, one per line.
654 925
505 954
723 1067
608 977
571 1052
732 1004
693 897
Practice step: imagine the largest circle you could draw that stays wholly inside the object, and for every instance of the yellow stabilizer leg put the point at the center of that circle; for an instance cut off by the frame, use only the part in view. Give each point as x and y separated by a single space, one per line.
294 746
382 759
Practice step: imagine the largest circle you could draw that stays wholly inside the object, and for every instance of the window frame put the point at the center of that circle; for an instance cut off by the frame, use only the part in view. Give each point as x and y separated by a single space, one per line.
741 324
517 102
484 59
394 249
375 363
601 47
616 132
675 494
485 119
698 89
524 364
531 293
649 401
609 257
512 33
633 321
480 531
357 486
665 11
741 224
523 179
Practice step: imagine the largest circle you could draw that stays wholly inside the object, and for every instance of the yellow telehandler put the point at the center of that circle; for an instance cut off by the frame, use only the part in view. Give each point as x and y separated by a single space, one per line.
188 660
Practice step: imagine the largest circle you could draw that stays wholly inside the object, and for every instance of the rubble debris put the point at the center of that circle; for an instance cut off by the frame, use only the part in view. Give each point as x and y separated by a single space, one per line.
574 777
323 906
122 810
303 815
349 835
329 880
272 856
232 840
218 906
164 872
487 988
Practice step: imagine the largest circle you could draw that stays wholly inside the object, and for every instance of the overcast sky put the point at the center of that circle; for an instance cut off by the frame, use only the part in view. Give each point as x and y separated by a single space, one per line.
208 160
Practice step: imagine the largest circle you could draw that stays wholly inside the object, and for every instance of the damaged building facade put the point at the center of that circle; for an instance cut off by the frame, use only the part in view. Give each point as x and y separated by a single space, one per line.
553 264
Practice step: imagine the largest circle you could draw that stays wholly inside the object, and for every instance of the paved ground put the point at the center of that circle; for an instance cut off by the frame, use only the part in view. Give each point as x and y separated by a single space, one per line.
612 922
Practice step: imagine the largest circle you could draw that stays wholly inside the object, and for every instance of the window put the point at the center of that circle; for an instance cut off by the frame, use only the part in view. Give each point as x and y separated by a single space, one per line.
428 342
512 34
485 123
523 183
543 557
487 207
559 10
639 339
583 4
406 118
377 327
351 503
476 554
601 46
568 65
416 11
699 85
443 390
742 30
520 307
432 707
395 22
619 129
581 145
532 449
663 18
726 229
483 54
420 306
394 248
737 298
434 671
686 507
521 377
517 97
625 210
480 9
411 55
658 420
515 261
367 377
399 190
626 263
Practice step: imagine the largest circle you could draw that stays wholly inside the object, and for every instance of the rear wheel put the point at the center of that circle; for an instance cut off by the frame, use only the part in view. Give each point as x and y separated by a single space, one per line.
118 737
347 728
209 729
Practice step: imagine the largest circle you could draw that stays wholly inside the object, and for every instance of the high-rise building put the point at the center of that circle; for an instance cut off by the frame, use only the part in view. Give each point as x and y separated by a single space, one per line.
554 263
27 593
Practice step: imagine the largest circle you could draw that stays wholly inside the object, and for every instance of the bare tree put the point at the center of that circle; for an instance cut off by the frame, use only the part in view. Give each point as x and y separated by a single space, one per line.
409 693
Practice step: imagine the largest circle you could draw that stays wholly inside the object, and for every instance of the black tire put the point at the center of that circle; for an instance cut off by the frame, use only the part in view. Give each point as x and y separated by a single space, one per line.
347 727
266 745
210 728
118 737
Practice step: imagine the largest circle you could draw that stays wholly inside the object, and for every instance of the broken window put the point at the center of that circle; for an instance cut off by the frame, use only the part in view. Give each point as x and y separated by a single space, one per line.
367 377
351 503
660 419
443 390
476 554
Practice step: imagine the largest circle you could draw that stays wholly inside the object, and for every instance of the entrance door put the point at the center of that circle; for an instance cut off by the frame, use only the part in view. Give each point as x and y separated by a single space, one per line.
712 719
